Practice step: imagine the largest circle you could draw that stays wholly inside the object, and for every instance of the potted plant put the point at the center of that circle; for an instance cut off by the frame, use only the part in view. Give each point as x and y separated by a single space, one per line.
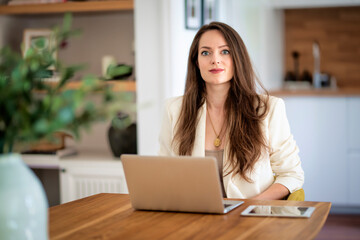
30 110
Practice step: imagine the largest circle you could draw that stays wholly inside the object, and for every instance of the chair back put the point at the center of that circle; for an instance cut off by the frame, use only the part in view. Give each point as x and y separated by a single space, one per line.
298 195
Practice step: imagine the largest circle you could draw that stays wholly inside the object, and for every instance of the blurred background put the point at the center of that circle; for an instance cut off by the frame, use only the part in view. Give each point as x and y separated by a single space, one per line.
306 52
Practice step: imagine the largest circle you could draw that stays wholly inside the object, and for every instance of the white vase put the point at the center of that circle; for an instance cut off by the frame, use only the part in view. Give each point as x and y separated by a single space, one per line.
23 203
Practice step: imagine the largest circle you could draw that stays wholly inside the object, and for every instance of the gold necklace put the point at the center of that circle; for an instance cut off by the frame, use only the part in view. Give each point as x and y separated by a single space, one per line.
217 141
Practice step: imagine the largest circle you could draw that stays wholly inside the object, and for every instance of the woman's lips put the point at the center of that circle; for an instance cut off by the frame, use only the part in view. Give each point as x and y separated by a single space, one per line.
216 70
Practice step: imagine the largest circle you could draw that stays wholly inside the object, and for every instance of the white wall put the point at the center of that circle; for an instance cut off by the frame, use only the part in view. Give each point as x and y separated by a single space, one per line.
162 46
261 28
181 39
150 77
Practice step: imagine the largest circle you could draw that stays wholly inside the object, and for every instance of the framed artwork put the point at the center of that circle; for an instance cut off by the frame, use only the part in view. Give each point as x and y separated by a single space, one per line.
210 11
193 14
33 38
41 40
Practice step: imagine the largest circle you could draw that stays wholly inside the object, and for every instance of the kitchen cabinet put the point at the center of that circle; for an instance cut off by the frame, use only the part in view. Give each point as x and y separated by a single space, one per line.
353 150
325 130
354 179
353 123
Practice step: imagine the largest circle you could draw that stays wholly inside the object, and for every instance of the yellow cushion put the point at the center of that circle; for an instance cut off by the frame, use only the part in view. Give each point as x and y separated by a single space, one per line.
298 195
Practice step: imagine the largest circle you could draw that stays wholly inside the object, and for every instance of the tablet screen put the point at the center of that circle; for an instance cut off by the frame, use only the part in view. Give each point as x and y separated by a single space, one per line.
278 211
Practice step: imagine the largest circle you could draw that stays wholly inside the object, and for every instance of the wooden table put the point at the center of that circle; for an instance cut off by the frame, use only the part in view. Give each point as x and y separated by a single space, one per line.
110 216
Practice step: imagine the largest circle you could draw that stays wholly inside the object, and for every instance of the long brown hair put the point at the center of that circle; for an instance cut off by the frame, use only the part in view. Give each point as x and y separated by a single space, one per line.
244 107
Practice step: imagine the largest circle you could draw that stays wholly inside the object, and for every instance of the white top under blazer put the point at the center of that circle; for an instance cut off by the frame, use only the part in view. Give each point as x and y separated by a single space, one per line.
281 160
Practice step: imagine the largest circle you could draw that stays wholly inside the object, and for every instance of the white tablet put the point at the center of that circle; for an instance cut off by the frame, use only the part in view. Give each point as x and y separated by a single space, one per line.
278 211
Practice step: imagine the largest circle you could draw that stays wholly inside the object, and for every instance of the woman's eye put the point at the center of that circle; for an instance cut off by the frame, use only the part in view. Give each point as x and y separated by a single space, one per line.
225 52
205 53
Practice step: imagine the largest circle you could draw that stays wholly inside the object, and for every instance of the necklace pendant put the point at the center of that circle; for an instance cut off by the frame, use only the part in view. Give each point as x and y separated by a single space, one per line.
217 142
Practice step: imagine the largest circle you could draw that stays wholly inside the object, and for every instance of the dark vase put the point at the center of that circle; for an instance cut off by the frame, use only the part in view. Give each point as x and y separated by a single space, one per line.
123 140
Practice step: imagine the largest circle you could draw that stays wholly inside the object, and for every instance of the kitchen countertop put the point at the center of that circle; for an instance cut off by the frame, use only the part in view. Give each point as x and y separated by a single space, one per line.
322 92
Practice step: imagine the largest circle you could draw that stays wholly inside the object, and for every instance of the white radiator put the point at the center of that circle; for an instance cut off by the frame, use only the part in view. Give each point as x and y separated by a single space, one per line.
85 187
83 180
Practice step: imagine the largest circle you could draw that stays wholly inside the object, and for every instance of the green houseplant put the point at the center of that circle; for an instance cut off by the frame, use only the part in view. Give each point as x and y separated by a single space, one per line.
32 109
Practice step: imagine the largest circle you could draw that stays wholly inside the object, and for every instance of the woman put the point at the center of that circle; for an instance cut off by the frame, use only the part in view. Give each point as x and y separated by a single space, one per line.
222 115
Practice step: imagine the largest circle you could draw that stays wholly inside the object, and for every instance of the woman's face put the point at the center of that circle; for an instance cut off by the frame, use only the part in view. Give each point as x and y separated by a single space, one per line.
214 58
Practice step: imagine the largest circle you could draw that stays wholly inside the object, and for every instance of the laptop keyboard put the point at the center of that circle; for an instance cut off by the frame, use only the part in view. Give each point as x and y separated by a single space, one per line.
227 205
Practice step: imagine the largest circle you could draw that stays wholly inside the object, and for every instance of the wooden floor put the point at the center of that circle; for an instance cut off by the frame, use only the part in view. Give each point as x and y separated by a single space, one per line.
340 227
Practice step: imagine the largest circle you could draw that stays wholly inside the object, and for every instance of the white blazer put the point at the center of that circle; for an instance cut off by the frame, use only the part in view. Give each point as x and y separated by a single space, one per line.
281 161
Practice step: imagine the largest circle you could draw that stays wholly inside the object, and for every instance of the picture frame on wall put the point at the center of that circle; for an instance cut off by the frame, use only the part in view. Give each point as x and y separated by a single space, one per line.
32 38
193 14
210 11
41 39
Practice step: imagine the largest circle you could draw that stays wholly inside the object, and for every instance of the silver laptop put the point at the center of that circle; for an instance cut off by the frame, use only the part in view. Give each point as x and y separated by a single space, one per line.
184 184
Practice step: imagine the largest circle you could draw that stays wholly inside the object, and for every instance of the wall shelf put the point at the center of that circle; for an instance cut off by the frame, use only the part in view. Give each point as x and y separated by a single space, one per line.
88 6
116 86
